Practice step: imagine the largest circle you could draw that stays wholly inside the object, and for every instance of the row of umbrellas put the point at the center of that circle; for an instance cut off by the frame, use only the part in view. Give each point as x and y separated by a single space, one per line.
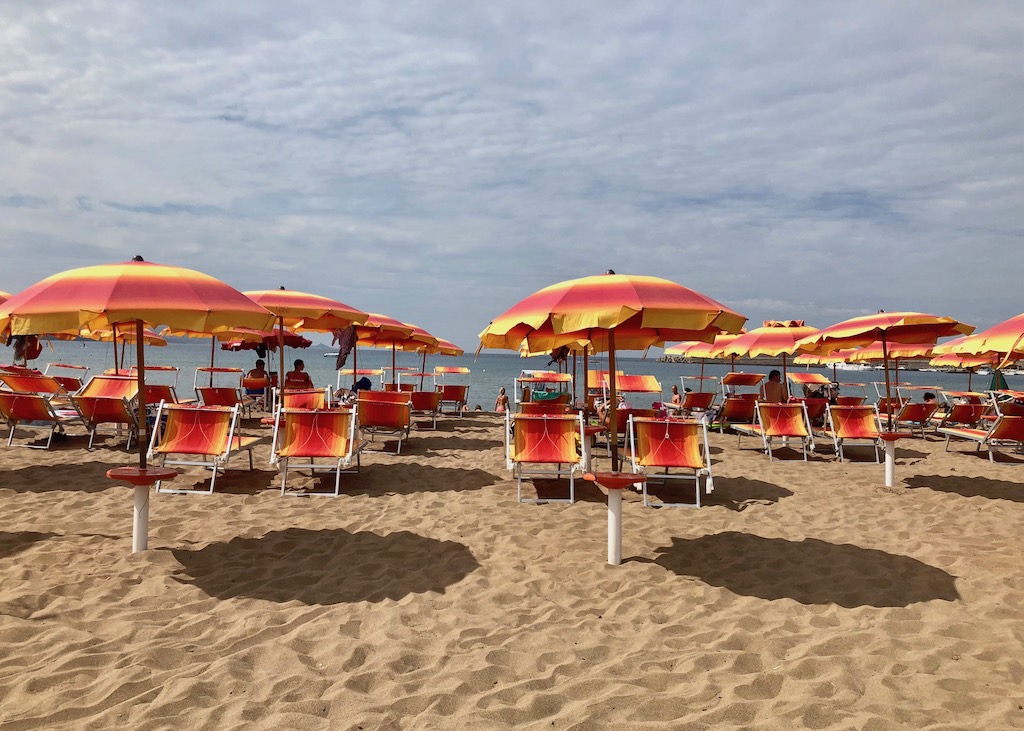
136 295
604 312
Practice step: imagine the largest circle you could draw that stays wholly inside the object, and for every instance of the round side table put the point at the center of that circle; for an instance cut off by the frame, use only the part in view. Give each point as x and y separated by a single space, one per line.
141 479
614 482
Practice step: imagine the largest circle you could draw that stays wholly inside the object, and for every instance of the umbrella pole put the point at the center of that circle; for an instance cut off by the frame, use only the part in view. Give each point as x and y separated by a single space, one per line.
213 355
613 425
785 383
113 331
394 371
888 391
732 363
140 510
423 368
701 375
970 374
280 357
574 401
586 376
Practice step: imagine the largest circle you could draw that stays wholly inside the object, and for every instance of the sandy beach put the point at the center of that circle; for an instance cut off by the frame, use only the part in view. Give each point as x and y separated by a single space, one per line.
804 595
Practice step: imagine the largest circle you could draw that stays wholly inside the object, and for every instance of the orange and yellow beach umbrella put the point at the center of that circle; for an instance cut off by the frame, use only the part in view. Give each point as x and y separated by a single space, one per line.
610 311
305 311
887 328
139 292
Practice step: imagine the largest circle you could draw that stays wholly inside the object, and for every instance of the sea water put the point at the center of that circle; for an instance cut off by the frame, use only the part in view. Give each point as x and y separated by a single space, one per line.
490 371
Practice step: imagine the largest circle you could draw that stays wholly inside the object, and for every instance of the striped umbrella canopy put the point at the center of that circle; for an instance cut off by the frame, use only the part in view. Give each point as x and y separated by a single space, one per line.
610 311
888 328
873 351
414 341
707 351
1006 337
773 338
303 311
138 292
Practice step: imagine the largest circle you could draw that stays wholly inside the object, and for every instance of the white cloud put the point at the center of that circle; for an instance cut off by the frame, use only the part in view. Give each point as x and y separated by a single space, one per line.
440 162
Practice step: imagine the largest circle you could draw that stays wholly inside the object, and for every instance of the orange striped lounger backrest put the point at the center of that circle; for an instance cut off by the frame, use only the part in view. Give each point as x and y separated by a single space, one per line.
315 433
665 443
855 422
545 438
191 430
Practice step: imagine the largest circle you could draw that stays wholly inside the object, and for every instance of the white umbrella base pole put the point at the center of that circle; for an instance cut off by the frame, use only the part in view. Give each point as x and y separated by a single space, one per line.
140 519
614 527
890 464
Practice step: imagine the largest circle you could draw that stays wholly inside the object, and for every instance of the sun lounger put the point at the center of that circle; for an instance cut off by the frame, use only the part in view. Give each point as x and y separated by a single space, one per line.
546 446
315 434
455 394
426 403
206 434
109 400
779 421
1006 431
964 415
385 413
670 444
915 416
736 410
34 409
849 426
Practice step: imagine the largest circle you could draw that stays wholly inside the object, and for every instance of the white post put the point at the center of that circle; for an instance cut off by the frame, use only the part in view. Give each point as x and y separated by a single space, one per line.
614 527
890 463
140 519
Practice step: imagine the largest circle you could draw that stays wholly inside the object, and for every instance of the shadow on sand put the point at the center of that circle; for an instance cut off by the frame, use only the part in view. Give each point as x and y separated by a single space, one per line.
324 567
14 542
969 486
809 571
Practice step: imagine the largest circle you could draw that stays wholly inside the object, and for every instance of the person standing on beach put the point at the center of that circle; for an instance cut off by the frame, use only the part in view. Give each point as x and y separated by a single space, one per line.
501 403
774 391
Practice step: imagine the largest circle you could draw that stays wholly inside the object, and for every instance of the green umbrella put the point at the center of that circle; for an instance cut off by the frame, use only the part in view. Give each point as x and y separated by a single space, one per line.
998 382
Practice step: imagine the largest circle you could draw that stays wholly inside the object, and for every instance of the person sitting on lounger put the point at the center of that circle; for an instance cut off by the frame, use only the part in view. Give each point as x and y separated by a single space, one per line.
298 378
774 391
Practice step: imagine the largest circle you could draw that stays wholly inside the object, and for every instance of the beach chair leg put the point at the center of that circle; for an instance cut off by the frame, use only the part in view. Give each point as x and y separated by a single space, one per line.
284 474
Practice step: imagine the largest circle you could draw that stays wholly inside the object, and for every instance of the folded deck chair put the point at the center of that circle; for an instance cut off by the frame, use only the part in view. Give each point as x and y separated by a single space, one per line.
915 416
453 393
671 445
426 403
779 421
536 441
35 409
207 434
849 426
109 400
1005 431
387 413
315 434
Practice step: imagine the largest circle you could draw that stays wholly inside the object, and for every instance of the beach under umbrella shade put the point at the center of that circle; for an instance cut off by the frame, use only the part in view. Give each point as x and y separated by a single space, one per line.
610 311
887 328
139 292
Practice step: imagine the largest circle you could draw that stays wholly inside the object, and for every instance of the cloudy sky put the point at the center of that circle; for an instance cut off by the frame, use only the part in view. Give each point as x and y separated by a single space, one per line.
439 161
